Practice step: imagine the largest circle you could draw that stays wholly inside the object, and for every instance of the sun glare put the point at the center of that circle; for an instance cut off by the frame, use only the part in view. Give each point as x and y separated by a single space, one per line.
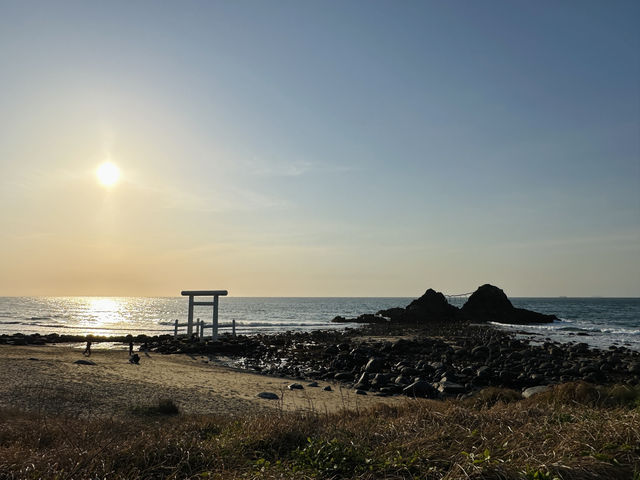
108 174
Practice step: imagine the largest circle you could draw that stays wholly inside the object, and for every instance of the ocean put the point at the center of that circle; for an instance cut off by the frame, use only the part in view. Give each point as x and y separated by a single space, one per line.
599 322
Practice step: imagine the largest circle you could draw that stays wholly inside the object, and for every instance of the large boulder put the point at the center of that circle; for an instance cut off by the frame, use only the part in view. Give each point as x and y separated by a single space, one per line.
490 304
420 388
430 307
487 302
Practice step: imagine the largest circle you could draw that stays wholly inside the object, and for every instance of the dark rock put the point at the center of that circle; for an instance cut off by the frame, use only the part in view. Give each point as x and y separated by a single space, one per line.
343 376
391 389
420 389
402 345
360 392
328 388
380 379
489 303
481 351
374 365
268 395
538 378
487 300
363 382
450 388
587 369
295 386
312 384
84 362
430 307
393 314
409 371
468 372
402 380
331 350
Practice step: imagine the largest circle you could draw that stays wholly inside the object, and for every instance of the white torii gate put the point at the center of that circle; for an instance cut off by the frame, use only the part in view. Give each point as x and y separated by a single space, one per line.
204 293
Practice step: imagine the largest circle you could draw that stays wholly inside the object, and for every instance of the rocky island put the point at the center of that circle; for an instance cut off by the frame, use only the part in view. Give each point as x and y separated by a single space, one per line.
486 304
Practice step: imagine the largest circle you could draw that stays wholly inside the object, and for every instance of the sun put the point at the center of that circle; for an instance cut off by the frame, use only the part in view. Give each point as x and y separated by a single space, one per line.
108 174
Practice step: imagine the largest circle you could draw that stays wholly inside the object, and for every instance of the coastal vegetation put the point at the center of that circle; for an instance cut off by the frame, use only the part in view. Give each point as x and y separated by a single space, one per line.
573 431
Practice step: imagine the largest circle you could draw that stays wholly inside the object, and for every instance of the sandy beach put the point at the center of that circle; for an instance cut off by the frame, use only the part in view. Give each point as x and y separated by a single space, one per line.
45 378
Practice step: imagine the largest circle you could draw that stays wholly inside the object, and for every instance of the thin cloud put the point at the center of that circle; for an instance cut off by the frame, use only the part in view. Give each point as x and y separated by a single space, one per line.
222 199
290 168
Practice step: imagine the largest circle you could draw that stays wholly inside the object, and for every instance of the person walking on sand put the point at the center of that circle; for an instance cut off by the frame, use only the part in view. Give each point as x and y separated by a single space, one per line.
130 347
87 351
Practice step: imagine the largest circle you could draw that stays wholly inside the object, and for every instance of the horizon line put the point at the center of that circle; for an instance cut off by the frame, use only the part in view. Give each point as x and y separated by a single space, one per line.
321 296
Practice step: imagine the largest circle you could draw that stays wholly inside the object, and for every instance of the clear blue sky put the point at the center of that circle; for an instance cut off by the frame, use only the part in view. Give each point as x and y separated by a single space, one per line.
320 148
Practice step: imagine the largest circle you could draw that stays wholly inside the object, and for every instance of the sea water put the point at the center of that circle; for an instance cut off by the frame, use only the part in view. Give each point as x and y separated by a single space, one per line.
599 322
156 316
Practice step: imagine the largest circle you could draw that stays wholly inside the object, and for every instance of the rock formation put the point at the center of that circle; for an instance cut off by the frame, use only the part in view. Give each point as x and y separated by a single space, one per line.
490 304
486 304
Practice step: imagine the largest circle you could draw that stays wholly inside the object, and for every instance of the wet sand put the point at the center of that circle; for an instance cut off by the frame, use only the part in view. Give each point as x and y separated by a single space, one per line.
46 379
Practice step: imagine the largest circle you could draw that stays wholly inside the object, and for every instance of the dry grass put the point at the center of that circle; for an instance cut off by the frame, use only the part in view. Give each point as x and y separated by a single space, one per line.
577 431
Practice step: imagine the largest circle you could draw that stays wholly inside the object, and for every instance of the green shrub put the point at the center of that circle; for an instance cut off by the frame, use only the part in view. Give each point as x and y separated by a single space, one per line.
164 406
488 397
331 458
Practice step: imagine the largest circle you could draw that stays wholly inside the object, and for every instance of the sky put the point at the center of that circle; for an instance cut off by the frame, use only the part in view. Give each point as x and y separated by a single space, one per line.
320 148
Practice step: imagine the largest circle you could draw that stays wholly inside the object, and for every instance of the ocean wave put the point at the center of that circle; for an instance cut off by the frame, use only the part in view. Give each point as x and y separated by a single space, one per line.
93 328
519 326
621 331
556 327
281 324
256 324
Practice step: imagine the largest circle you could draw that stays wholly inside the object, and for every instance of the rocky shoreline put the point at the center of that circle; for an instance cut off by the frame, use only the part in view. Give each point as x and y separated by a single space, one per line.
436 362
440 360
429 349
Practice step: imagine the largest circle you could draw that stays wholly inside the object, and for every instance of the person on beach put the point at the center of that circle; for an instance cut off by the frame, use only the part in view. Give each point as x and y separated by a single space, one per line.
87 351
131 348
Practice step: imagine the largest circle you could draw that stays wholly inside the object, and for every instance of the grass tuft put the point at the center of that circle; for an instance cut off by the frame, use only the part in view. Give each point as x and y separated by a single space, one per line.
163 406
584 393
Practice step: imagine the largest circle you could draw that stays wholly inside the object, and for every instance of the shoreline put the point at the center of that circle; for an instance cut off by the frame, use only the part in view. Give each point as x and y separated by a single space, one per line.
363 366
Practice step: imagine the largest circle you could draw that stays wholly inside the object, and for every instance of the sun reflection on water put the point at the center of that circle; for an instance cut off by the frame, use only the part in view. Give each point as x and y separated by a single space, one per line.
103 313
